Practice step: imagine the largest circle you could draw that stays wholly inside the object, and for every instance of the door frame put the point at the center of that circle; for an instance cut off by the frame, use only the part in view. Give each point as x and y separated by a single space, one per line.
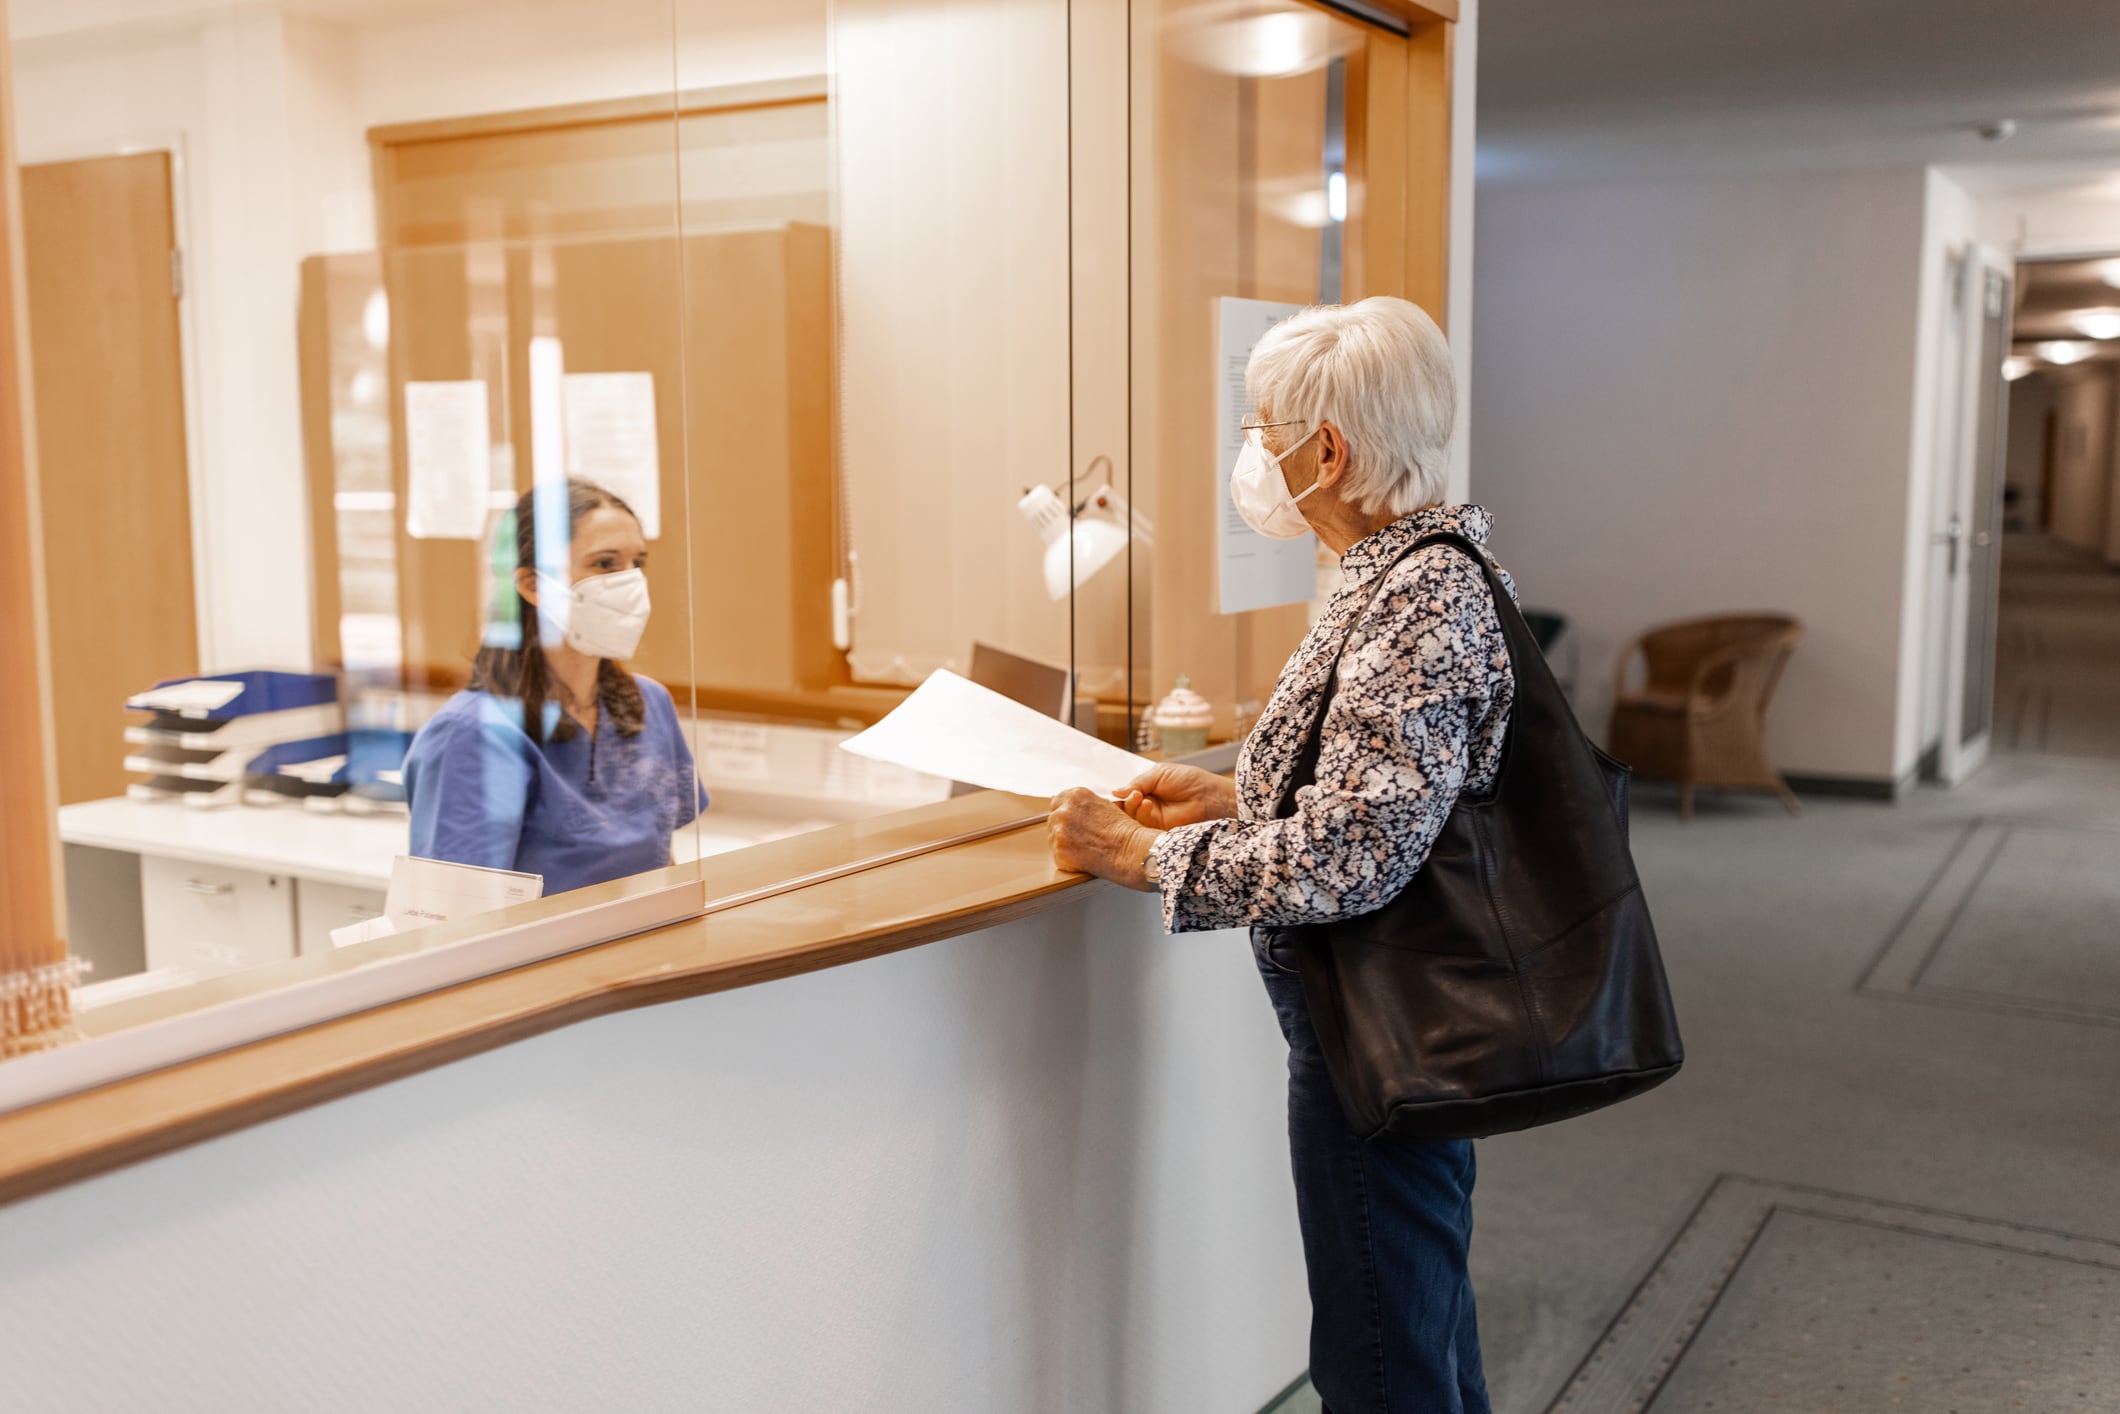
1956 487
170 142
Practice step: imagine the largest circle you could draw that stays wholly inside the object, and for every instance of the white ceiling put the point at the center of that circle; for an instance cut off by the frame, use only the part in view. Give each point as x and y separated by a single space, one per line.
1615 89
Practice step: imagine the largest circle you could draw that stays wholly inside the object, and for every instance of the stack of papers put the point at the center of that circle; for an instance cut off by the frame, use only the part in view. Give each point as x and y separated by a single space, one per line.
195 698
959 730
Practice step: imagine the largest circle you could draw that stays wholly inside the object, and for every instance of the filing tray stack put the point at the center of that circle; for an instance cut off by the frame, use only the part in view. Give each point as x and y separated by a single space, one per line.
215 741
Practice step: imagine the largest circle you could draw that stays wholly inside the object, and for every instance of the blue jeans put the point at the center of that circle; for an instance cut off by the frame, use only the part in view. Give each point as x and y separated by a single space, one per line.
1387 1229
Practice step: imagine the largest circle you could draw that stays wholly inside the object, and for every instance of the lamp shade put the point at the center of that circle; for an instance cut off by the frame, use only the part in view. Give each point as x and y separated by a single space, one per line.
1095 542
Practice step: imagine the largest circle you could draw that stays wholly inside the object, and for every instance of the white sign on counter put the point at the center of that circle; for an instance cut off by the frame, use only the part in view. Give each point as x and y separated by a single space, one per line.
424 891
610 421
448 466
1254 572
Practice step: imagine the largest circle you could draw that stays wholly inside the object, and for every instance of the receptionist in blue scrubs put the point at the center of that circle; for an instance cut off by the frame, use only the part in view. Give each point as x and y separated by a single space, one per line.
556 760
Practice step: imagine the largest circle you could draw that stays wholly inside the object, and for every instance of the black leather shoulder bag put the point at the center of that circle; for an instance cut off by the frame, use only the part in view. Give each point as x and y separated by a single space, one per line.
1516 980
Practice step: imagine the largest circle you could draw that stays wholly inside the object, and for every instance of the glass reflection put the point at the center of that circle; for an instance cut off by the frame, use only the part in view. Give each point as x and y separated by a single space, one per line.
556 761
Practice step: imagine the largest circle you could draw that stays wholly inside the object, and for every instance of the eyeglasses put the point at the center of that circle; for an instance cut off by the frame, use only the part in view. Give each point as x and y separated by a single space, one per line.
1255 432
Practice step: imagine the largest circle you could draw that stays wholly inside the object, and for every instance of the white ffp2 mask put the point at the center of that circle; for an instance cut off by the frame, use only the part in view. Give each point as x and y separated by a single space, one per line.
1259 489
603 615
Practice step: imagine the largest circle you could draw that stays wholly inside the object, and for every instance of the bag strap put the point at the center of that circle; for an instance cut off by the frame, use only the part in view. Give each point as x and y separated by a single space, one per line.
1534 678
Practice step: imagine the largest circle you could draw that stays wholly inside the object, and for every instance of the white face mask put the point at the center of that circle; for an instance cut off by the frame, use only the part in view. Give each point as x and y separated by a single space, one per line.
603 615
1260 490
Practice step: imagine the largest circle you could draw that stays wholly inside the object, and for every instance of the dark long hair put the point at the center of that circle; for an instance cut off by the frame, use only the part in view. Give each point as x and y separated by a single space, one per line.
511 661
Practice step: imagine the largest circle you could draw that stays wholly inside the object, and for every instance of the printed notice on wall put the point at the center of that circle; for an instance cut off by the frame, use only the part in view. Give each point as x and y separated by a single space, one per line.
1254 572
610 421
447 465
734 751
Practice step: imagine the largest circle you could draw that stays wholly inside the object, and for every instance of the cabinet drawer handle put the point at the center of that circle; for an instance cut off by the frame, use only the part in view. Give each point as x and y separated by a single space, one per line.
210 890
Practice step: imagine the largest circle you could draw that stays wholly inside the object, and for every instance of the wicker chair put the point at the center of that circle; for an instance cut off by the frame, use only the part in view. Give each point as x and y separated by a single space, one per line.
1701 717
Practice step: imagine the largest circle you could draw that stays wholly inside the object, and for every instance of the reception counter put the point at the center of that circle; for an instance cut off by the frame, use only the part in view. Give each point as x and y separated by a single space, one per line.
960 1132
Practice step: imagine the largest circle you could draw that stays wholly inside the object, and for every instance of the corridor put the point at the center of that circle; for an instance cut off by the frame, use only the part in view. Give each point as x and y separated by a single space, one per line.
1889 1177
2057 668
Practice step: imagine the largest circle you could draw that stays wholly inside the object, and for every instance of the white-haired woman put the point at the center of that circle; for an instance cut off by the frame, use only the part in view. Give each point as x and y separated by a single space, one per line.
1352 414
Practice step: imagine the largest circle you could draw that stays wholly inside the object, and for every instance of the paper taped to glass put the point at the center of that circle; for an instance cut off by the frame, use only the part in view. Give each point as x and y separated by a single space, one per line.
956 729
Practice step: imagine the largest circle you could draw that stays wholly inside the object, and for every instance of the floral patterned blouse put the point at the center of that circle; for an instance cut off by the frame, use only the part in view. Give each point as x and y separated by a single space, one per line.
1421 707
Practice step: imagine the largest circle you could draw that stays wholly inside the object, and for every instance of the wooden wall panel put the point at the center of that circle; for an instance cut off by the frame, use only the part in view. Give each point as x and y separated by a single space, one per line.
113 466
743 387
564 223
1233 159
759 393
441 583
313 327
744 162
31 908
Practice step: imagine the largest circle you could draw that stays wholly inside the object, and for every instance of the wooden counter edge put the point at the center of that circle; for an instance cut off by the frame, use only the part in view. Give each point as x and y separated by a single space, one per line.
79 1136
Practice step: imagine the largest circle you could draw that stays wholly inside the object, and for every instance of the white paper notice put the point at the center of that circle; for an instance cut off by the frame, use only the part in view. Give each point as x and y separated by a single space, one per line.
424 891
960 731
734 751
1255 572
610 421
446 460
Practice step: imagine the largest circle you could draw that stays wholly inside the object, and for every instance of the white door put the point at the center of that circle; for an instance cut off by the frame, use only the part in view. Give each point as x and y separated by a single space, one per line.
1972 475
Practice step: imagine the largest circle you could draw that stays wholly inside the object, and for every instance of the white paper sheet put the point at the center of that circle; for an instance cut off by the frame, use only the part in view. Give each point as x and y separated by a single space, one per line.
954 728
1254 572
424 891
379 926
448 464
196 698
317 772
610 421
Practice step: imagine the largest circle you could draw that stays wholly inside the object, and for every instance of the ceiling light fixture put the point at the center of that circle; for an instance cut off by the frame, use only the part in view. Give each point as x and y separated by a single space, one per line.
2096 323
2110 273
2065 352
2015 368
2000 130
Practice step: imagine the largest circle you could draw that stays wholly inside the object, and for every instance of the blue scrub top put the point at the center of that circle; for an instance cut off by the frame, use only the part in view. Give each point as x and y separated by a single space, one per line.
579 812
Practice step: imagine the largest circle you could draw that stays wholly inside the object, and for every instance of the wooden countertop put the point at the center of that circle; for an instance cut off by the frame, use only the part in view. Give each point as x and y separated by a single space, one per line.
932 896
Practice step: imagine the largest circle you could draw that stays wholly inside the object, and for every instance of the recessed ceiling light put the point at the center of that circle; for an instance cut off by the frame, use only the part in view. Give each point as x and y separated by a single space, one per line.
2015 368
2065 352
2096 323
2110 273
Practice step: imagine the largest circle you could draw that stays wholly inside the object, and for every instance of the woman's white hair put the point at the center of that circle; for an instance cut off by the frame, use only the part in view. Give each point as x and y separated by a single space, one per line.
1380 371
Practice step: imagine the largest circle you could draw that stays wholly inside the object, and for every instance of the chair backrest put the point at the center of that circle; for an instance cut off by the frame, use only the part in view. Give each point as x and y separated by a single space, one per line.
1757 645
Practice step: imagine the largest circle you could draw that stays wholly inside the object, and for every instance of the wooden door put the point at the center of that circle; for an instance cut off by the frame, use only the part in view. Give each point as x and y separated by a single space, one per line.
99 238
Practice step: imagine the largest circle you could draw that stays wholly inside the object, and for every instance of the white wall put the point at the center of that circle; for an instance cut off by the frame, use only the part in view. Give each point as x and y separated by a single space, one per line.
1464 112
1698 398
2076 218
215 92
1942 433
1042 1167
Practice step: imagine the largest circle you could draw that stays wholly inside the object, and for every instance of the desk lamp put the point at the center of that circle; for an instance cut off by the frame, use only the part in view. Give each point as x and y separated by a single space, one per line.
1083 540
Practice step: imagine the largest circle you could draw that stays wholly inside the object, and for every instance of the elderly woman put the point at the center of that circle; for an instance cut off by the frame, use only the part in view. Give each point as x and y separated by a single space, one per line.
1353 413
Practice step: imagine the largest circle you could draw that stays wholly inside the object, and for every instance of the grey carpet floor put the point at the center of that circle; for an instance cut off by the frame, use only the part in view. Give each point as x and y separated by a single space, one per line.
1889 1176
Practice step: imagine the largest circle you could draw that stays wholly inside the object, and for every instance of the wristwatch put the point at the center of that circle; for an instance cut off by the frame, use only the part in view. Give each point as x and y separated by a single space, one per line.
1151 870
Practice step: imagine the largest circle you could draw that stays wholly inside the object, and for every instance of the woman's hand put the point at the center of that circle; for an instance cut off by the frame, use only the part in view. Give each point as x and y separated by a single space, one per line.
1167 796
1091 835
